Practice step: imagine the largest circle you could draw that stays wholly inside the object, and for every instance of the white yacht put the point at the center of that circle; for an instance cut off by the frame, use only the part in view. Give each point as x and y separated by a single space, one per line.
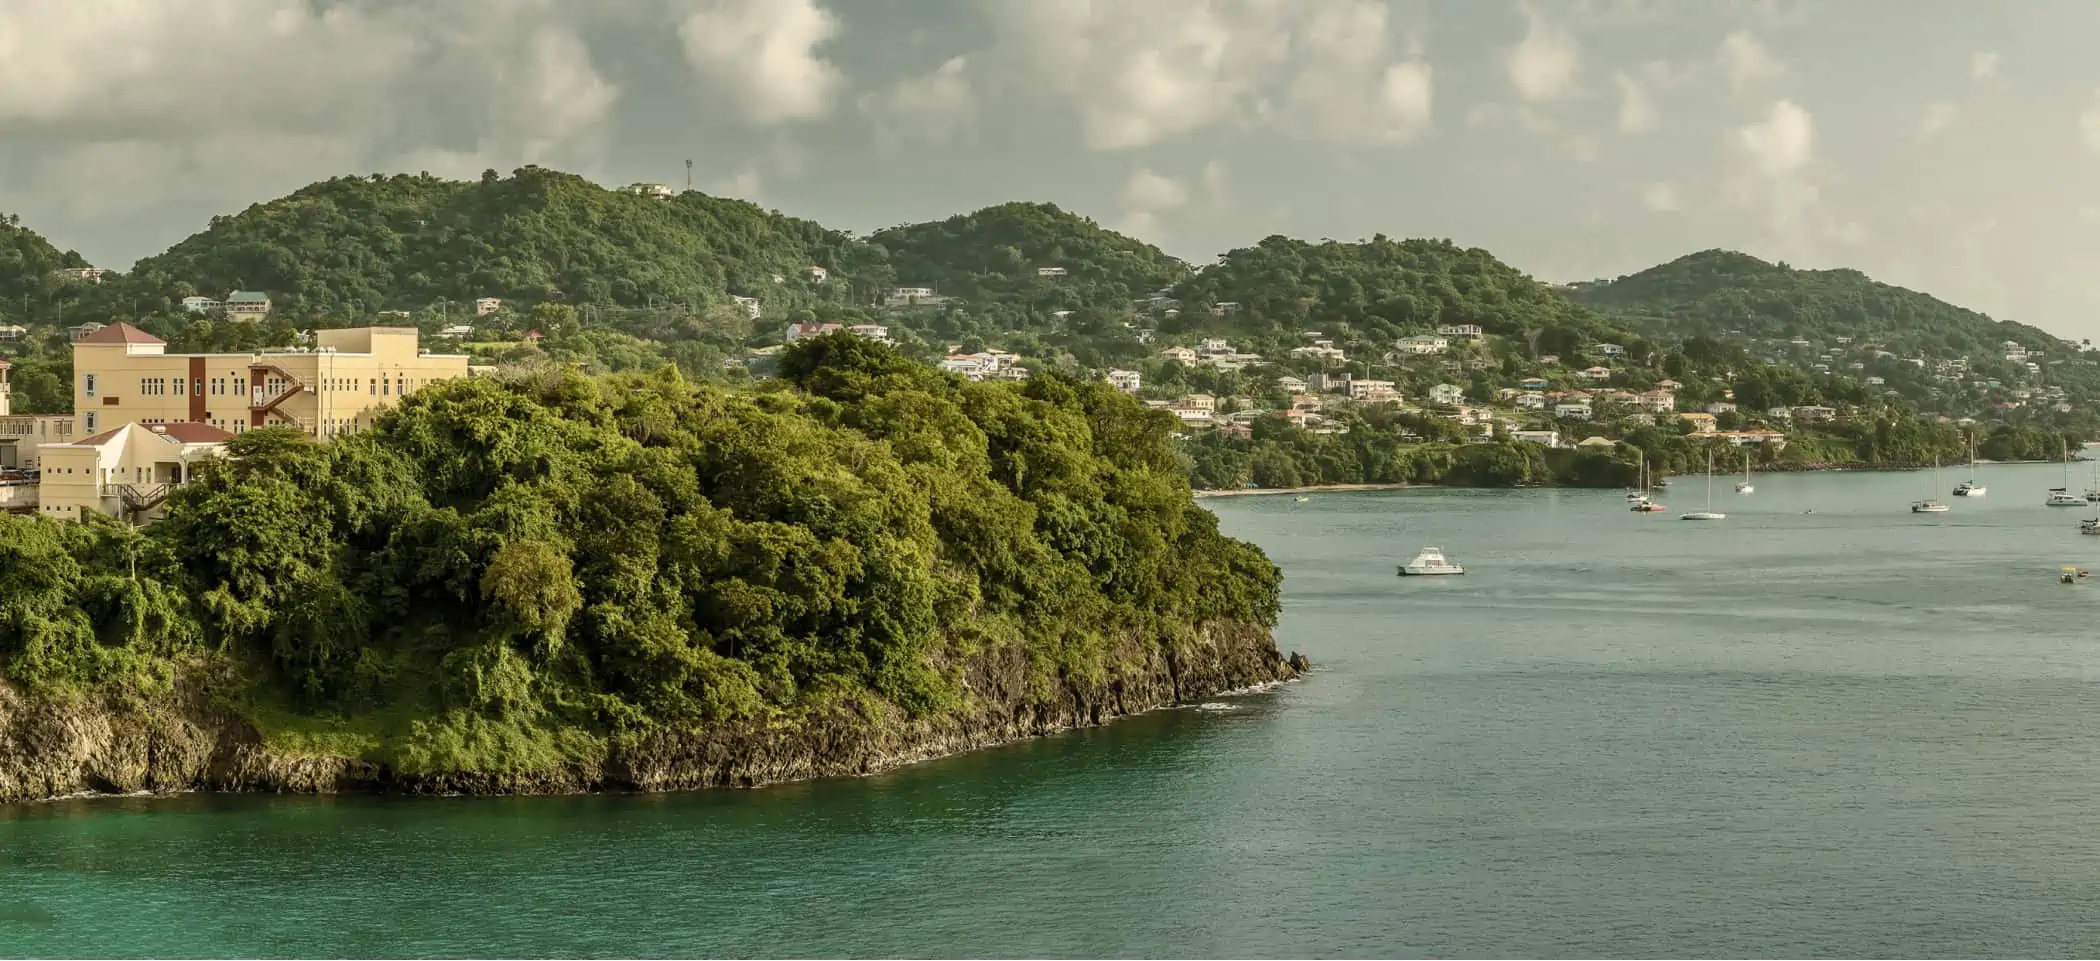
2062 496
1430 561
1744 486
2090 525
1930 505
1709 514
1969 488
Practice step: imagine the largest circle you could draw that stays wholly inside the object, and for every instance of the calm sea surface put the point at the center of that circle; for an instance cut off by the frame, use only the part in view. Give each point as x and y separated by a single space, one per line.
1848 732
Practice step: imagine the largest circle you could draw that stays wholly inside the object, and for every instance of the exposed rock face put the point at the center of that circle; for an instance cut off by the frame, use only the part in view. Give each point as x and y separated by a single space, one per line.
51 749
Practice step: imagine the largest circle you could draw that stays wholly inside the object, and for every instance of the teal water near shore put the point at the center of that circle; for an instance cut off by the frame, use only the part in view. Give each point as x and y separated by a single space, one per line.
1854 732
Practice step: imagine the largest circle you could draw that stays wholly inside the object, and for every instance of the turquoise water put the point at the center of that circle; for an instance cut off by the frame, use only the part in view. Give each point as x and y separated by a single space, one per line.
1851 732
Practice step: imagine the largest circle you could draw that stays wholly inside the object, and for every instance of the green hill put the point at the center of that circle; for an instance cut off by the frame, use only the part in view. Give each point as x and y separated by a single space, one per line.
353 246
27 265
994 257
1383 288
1725 294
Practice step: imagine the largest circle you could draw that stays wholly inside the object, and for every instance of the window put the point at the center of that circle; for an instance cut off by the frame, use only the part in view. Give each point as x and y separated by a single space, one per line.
89 419
87 386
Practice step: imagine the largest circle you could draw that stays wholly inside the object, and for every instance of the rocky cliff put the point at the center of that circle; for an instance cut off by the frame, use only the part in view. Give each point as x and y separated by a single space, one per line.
52 747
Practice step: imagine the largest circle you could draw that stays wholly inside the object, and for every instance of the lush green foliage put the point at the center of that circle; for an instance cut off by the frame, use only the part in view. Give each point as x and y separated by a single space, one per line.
350 247
29 288
991 257
504 572
1719 293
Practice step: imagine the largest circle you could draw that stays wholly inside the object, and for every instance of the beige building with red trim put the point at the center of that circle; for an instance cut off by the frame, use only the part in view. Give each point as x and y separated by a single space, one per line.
126 472
123 375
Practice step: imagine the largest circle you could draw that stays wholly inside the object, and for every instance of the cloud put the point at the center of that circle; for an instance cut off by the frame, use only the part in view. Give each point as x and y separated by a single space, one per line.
1661 197
1146 73
1545 65
1782 143
1637 90
145 100
762 54
2089 124
1216 181
933 107
1938 117
1747 62
1983 65
1151 191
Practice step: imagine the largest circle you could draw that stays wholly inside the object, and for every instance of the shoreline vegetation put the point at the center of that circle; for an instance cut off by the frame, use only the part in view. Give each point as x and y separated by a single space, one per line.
545 582
1207 494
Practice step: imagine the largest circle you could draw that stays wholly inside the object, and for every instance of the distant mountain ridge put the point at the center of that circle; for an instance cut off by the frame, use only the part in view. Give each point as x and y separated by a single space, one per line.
1714 293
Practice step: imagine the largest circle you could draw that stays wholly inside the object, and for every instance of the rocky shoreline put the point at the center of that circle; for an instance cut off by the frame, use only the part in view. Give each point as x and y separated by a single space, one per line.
53 748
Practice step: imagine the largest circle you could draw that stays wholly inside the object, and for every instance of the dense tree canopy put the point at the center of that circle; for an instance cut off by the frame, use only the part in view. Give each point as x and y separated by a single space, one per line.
557 558
992 256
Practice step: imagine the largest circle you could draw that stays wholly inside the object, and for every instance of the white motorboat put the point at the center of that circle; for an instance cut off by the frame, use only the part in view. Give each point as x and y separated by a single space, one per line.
1969 488
2090 525
1430 561
1709 514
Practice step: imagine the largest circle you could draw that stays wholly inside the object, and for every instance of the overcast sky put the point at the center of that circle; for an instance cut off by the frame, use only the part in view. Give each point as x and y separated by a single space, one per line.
1946 145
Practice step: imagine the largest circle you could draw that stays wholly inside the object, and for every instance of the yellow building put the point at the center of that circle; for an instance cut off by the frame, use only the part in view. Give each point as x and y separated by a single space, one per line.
123 375
20 434
125 472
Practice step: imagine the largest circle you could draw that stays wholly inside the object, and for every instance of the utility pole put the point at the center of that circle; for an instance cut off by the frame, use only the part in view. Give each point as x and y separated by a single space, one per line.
689 174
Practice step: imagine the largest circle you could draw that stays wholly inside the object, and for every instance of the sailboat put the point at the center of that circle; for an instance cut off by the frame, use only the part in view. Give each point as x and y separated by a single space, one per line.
1744 486
1929 505
1709 514
1643 504
1969 488
2092 491
2062 496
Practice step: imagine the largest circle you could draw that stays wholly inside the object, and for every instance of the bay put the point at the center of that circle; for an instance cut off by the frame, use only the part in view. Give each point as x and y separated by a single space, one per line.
1855 731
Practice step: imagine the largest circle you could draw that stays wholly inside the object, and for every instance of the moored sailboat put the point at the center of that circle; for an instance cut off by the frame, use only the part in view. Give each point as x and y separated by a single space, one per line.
1969 488
1709 514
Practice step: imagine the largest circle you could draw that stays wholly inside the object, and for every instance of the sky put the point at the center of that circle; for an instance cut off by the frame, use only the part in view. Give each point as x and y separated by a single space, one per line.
1943 145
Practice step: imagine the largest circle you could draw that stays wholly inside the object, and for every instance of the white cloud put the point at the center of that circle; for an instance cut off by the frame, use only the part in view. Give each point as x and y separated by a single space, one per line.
1151 191
1747 62
2089 124
1661 197
932 107
1138 74
1938 117
762 54
1546 63
1216 181
1983 65
1637 89
1782 143
221 102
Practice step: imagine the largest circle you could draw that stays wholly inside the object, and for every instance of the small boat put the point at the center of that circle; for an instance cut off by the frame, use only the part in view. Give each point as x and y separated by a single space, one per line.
1430 561
1709 514
1744 486
1930 505
1642 504
1969 488
1300 499
2062 496
2090 525
2068 575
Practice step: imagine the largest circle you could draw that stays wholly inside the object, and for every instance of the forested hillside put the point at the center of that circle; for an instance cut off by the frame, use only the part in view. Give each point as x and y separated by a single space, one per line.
508 574
354 246
28 266
1716 293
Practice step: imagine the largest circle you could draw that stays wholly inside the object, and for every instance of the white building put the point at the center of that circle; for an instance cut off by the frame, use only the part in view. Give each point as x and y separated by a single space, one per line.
1573 409
1447 395
875 332
1460 331
248 305
1181 354
1050 273
653 191
487 305
750 306
1127 381
202 305
1422 344
1611 350
1550 438
907 296
1374 391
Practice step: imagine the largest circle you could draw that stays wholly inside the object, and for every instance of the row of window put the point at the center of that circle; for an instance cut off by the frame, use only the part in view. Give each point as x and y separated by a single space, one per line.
90 386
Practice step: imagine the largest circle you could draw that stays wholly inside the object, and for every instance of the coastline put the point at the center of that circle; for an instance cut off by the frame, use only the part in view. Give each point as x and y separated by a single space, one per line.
54 747
1315 489
1789 469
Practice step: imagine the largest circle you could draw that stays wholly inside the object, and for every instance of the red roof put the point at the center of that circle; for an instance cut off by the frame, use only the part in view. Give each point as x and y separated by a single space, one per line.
121 333
5 365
